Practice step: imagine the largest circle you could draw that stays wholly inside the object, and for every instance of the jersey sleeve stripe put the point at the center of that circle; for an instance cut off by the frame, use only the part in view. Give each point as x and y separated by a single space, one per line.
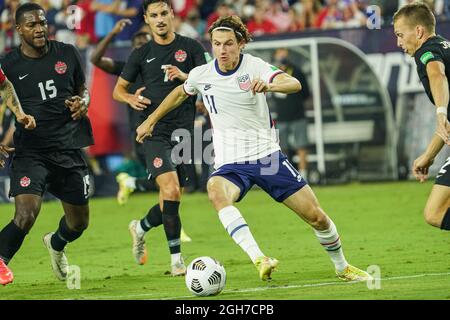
274 75
185 91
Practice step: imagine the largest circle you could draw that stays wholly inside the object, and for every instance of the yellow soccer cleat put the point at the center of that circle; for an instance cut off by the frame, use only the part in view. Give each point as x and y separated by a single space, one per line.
352 273
184 237
266 266
124 191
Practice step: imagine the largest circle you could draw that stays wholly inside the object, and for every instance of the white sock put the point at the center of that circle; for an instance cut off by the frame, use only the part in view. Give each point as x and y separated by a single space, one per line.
330 240
238 229
130 182
175 258
139 231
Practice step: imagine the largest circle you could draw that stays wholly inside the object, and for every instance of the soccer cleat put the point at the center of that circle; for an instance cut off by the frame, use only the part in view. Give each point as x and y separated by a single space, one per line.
60 265
178 269
352 273
6 275
184 237
124 190
139 250
266 266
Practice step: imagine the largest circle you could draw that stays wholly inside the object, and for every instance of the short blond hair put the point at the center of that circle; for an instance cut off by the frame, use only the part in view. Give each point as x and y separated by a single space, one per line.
417 13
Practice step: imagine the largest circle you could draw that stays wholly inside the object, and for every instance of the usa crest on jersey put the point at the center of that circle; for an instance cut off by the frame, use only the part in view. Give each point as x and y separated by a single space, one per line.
244 82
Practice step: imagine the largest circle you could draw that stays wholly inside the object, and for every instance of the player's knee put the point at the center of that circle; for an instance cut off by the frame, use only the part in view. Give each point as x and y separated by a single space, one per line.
171 192
217 197
77 219
25 217
432 217
80 226
318 219
214 196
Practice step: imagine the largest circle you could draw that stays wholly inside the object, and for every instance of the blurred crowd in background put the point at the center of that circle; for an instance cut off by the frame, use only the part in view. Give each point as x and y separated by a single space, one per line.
93 19
85 22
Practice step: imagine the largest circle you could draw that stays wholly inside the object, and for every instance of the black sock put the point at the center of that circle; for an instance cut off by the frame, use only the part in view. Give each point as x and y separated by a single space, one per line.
172 225
11 238
63 235
152 219
446 221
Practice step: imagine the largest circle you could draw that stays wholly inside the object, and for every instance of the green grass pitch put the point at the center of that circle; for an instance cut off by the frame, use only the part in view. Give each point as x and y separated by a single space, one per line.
380 224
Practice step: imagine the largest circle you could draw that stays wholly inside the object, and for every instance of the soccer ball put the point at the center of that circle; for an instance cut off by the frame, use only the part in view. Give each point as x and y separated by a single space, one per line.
205 276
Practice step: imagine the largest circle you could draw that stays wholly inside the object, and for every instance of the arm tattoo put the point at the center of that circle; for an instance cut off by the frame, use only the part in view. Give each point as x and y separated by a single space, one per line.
10 97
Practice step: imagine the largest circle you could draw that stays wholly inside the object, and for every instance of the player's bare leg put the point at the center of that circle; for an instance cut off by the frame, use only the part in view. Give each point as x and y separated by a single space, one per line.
223 194
28 207
437 209
13 234
166 213
71 227
305 204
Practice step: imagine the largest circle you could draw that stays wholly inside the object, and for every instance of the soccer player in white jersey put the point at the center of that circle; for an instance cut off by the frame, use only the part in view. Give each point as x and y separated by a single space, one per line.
233 87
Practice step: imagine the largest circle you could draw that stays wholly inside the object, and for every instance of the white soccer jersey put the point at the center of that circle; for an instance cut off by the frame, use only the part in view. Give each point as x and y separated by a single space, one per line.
242 126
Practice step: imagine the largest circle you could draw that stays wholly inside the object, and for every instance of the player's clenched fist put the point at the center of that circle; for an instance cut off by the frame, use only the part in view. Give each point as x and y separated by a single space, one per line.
174 72
144 130
120 25
259 86
421 166
77 106
27 121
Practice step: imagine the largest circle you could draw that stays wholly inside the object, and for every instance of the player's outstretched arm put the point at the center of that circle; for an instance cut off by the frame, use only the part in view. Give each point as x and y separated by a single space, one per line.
440 91
12 102
172 101
282 83
97 57
135 101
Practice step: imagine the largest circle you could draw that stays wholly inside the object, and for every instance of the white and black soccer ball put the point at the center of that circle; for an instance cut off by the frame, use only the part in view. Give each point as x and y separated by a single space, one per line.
205 276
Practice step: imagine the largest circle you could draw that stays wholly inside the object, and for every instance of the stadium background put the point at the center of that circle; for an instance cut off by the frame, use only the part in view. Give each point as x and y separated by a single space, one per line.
381 223
364 24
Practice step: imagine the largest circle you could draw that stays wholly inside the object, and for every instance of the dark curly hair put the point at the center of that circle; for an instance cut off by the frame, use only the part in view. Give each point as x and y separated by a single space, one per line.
235 23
